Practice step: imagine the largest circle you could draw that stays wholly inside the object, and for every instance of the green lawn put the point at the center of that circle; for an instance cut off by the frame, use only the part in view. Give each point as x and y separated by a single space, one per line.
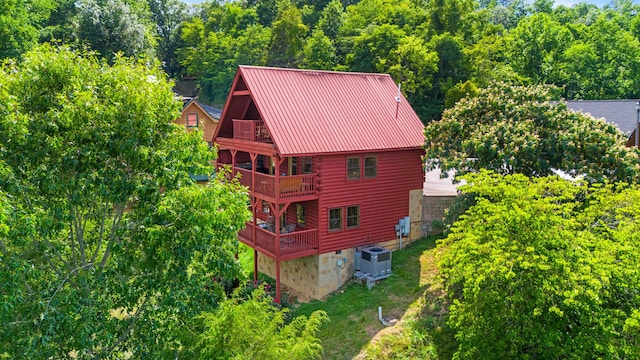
412 294
245 256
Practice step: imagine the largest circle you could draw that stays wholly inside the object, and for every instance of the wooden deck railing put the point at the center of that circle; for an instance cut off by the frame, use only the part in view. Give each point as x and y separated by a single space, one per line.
290 186
265 185
296 242
252 130
245 178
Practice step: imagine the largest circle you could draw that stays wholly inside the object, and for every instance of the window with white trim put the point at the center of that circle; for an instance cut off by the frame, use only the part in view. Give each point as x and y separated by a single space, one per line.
192 120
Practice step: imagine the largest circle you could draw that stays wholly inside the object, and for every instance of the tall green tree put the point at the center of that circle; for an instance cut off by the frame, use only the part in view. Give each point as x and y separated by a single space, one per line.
516 129
452 69
267 10
415 67
617 67
20 23
372 48
222 55
287 36
211 48
167 15
544 268
110 245
579 71
449 16
113 26
535 47
319 52
189 47
331 19
61 24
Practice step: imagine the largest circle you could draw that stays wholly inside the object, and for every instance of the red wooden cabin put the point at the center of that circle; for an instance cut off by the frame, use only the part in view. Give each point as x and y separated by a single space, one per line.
329 159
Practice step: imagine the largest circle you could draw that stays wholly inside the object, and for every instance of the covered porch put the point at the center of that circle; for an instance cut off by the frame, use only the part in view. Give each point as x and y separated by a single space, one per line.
270 176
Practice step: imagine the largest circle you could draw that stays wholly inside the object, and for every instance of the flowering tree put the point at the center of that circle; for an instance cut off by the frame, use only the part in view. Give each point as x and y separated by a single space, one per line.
516 129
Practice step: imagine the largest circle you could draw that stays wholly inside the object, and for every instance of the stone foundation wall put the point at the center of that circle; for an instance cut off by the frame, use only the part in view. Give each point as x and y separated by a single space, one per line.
332 276
300 275
312 277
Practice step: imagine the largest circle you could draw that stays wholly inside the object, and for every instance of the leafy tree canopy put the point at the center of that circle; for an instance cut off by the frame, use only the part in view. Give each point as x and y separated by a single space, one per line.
255 329
106 243
287 36
544 268
19 24
112 26
517 129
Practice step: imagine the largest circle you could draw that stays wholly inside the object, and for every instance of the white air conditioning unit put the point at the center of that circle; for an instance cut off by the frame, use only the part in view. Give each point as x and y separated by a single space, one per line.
376 262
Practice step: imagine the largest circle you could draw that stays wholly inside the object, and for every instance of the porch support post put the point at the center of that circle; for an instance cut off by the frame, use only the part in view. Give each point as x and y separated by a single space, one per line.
254 156
255 199
233 161
277 281
254 230
276 229
255 267
277 163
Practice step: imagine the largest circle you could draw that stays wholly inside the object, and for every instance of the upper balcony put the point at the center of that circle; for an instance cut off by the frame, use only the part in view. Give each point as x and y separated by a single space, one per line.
252 130
289 186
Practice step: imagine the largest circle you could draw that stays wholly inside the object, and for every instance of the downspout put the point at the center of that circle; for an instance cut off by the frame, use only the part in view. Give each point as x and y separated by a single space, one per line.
340 264
384 322
637 124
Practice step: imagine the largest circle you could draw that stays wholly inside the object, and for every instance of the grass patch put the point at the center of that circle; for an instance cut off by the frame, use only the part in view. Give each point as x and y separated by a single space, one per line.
412 294
245 256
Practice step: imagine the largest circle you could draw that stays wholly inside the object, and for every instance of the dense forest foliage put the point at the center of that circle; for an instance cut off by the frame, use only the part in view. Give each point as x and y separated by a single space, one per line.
108 249
438 49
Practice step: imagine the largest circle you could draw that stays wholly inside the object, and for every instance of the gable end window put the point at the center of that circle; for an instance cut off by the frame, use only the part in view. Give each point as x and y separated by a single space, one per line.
370 167
353 217
192 120
335 219
353 168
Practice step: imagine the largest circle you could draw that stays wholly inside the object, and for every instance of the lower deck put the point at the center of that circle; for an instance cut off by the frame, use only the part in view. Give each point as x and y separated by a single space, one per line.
287 244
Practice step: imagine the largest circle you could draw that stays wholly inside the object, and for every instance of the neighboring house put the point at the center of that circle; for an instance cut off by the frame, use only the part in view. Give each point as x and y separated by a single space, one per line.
332 161
623 113
198 115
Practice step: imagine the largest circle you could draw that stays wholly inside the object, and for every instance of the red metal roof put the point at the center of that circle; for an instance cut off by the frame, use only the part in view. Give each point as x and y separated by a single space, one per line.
312 112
